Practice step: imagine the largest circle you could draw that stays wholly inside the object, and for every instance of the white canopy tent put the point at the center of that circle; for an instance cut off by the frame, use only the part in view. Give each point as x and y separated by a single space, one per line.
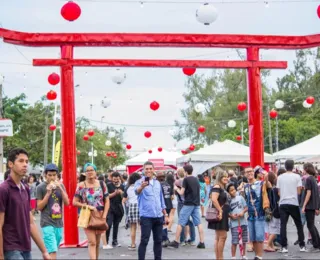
307 151
219 153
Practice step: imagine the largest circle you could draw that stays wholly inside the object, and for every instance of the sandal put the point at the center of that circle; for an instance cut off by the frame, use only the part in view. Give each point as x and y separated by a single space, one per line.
132 247
269 249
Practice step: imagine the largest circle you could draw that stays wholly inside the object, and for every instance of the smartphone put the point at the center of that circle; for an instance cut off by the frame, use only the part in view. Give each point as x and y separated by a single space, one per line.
146 179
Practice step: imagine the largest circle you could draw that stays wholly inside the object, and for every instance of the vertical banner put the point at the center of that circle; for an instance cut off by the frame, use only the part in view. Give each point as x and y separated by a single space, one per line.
57 153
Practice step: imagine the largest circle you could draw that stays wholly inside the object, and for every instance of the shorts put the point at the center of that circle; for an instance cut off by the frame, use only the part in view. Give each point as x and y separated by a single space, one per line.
274 226
235 235
188 211
52 237
256 230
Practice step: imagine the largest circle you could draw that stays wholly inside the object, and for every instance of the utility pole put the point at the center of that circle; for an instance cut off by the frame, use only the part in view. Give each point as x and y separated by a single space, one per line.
269 127
45 152
1 116
277 135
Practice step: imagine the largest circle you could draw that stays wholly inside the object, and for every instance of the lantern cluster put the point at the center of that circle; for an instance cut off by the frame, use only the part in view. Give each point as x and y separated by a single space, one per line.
111 154
88 135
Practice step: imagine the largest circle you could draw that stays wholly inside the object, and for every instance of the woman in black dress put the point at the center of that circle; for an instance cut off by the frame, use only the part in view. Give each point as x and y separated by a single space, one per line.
220 202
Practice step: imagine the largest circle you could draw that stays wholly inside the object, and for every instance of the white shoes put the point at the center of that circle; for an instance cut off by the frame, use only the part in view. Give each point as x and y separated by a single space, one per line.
107 247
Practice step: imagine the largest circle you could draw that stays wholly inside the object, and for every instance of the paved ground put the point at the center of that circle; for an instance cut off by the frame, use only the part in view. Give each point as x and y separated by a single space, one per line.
181 253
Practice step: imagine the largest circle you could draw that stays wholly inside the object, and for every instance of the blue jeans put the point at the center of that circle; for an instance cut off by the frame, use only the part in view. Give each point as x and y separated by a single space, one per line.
190 224
17 255
147 225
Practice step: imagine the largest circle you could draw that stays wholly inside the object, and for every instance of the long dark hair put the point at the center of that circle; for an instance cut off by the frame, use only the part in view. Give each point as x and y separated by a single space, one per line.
133 178
201 178
272 178
170 180
308 167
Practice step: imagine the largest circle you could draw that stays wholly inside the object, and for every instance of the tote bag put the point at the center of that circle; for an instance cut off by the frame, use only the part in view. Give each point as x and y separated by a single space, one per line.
84 217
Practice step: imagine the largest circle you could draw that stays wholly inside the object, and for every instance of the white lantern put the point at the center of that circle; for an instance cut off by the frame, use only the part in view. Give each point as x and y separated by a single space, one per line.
106 102
1 79
306 105
112 134
206 14
118 76
279 104
232 123
200 108
90 154
172 132
108 143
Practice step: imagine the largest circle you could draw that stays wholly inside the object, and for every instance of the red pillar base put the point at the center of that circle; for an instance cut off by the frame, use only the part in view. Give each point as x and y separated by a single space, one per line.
82 244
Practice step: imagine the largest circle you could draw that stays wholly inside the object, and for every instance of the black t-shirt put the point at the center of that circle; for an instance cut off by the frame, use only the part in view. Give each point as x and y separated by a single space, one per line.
192 191
311 184
167 193
116 202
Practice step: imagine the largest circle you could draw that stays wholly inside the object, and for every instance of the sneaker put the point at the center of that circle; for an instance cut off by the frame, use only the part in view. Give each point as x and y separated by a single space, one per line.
107 247
244 257
165 243
116 244
132 248
283 250
201 245
313 250
233 258
185 243
303 249
191 243
174 244
309 242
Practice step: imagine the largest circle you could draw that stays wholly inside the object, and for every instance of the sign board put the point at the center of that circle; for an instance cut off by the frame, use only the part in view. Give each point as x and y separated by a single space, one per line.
157 162
6 128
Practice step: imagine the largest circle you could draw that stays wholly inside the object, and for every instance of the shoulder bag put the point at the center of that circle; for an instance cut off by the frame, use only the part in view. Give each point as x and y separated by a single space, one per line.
212 214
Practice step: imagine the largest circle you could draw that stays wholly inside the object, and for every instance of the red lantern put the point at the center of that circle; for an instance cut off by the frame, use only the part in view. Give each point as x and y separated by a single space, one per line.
147 134
54 79
114 155
273 113
310 100
86 137
239 138
51 95
192 147
154 105
160 149
78 152
189 71
108 154
201 129
242 106
52 127
318 11
150 151
183 152
91 132
71 11
129 146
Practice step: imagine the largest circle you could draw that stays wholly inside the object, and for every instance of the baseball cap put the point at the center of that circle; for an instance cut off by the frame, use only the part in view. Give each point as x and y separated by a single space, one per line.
51 167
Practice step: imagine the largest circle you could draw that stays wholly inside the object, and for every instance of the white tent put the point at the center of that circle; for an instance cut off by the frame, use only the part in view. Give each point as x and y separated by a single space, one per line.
307 151
218 153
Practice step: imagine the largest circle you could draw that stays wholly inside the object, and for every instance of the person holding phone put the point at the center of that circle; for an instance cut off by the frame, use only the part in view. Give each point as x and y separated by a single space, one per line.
152 211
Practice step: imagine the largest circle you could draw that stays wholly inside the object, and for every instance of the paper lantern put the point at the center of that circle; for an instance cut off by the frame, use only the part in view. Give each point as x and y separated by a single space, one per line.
86 137
183 152
108 154
51 95
108 143
105 103
52 127
71 11
200 108
112 134
232 123
192 147
114 155
128 146
160 149
279 104
310 100
201 129
78 152
147 134
154 105
242 106
239 138
273 113
54 79
91 132
206 14
189 71
118 76
318 11
150 151
306 105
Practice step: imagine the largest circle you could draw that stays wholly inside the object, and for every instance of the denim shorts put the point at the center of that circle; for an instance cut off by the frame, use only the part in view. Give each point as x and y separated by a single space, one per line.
187 212
256 230
17 255
52 237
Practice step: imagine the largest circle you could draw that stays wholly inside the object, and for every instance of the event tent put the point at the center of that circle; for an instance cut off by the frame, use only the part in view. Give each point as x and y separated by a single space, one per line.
218 153
307 151
160 159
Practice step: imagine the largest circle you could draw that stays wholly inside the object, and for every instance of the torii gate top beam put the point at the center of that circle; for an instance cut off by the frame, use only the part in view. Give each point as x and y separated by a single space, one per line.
159 40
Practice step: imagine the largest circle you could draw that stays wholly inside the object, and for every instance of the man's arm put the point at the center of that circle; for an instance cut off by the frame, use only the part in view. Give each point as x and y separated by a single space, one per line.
138 186
37 238
42 201
179 191
2 214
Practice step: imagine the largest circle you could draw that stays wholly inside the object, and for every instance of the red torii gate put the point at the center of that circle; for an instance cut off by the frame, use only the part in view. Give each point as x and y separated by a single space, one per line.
67 41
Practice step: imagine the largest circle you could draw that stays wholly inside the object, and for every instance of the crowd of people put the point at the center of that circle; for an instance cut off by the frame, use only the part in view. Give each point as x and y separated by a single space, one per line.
252 207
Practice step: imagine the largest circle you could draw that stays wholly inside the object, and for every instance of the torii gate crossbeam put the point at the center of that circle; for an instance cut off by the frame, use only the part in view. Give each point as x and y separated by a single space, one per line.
67 41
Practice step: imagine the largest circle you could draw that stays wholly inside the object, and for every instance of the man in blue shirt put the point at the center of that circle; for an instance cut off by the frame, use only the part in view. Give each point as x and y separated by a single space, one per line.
152 210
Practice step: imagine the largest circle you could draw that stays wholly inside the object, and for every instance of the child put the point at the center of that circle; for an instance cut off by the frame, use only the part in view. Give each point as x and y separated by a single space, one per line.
238 207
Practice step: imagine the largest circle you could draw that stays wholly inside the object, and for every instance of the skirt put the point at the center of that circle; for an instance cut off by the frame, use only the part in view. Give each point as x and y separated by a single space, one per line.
223 224
133 214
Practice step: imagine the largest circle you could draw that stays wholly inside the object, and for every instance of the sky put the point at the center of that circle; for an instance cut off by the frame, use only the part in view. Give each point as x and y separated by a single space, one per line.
130 100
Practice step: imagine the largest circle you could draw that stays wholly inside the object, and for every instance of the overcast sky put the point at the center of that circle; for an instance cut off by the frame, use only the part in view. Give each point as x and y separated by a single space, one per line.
130 101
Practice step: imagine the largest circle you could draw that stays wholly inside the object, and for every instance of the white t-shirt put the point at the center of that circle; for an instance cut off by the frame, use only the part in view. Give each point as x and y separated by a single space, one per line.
132 197
287 184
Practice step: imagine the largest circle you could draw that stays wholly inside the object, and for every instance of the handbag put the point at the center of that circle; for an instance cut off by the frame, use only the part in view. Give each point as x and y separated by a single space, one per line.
212 214
84 217
97 222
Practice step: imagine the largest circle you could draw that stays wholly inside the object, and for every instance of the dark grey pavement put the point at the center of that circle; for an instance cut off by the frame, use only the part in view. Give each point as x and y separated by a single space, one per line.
186 252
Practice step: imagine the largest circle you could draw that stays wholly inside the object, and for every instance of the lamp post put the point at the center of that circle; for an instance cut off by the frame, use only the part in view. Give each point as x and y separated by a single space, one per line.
92 153
103 117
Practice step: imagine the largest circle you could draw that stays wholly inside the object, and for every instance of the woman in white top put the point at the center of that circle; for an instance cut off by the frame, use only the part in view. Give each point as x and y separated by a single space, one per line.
133 214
